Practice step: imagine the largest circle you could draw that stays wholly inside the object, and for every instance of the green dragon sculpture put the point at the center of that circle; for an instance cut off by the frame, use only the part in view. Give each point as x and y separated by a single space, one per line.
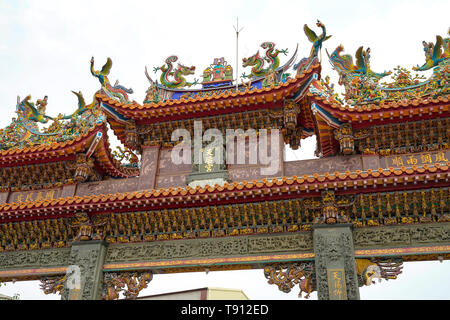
257 62
178 80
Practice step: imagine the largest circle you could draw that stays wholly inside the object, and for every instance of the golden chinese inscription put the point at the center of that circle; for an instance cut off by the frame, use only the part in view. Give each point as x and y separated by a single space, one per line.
336 284
417 159
33 196
209 160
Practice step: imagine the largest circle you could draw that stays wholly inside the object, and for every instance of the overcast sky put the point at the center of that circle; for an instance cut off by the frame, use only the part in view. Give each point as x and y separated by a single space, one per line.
46 46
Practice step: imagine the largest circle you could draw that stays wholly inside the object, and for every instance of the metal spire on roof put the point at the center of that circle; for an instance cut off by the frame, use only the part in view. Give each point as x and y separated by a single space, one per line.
236 28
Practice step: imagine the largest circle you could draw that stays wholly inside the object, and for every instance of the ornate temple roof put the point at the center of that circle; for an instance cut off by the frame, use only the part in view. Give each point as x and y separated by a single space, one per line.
270 86
66 138
235 192
223 102
220 103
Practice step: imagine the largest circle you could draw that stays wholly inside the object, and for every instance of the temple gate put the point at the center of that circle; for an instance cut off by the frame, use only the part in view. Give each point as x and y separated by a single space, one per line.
91 223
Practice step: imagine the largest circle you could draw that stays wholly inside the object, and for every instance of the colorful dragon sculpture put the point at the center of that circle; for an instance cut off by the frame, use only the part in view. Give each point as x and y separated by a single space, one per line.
435 53
178 80
257 62
117 91
362 84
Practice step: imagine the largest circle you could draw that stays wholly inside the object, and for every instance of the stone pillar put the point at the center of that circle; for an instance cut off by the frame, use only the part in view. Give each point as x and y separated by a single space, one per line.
84 279
335 262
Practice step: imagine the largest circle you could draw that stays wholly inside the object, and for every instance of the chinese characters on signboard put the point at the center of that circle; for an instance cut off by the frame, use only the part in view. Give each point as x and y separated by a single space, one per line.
409 160
336 284
18 197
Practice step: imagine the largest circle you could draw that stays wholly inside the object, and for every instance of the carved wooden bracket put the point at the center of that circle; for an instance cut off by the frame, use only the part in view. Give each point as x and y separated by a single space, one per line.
344 134
52 285
88 228
330 209
130 283
132 138
368 270
83 167
286 276
291 131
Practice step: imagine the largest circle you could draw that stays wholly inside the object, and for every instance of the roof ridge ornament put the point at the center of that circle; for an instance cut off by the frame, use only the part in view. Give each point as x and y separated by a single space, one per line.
317 42
218 73
434 54
24 132
177 73
360 82
117 92
257 62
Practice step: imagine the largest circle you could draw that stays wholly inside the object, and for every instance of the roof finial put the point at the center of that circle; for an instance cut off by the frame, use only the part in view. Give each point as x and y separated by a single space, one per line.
236 28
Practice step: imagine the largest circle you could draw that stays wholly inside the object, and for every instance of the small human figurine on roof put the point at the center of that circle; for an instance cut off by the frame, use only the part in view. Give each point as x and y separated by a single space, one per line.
218 71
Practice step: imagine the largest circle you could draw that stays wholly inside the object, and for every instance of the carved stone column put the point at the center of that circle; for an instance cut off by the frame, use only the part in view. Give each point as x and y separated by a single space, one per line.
84 279
336 276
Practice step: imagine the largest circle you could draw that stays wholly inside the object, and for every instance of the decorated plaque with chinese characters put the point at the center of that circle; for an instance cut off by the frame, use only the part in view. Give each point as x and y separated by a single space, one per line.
211 170
336 284
30 196
418 159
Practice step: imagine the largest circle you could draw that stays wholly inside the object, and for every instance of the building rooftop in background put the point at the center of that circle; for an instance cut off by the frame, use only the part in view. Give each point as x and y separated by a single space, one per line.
5 297
206 293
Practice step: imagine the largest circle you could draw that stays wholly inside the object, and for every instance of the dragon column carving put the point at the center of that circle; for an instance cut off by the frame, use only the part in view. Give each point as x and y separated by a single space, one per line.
52 285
